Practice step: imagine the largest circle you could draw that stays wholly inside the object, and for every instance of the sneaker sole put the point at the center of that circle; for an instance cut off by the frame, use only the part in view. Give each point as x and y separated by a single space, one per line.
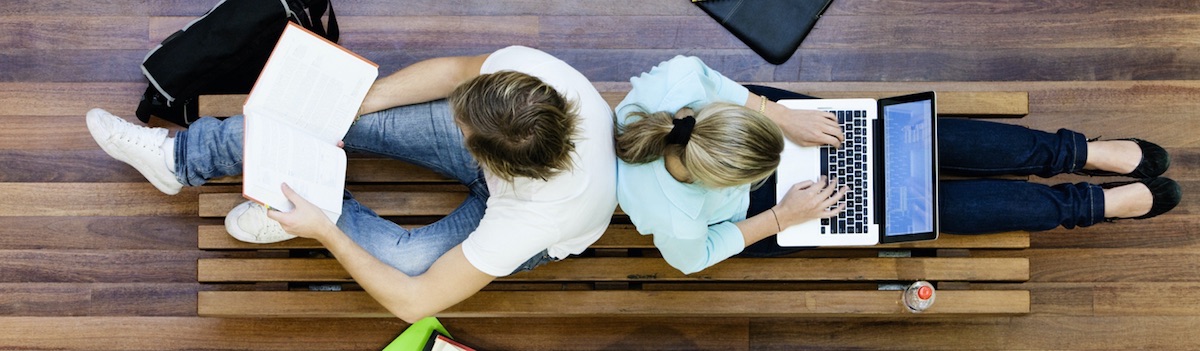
231 222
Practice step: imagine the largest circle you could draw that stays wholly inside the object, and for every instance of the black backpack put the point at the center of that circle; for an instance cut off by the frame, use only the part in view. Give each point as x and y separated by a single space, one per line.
222 52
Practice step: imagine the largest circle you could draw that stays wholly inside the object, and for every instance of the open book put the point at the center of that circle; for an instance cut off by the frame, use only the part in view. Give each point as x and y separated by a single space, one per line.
303 103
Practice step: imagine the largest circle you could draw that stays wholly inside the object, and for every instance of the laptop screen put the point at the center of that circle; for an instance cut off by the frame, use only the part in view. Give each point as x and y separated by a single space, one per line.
909 157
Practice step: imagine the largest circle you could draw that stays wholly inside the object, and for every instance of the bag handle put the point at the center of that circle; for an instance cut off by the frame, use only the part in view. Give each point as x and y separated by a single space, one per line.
315 10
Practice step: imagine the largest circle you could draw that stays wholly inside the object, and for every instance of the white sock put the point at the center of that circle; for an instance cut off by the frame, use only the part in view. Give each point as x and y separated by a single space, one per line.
168 148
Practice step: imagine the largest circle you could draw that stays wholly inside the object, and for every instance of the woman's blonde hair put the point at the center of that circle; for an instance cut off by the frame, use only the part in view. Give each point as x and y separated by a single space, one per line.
518 125
730 144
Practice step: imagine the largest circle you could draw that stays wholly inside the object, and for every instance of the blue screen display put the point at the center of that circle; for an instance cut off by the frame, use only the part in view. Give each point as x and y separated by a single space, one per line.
908 156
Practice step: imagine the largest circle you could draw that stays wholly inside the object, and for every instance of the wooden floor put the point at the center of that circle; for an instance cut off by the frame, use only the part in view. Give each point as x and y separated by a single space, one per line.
94 258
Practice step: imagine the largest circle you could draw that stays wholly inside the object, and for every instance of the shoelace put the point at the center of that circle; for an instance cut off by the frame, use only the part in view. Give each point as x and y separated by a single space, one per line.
146 137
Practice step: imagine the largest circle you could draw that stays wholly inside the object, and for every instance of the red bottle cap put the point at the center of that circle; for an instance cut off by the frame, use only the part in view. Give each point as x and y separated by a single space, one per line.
924 292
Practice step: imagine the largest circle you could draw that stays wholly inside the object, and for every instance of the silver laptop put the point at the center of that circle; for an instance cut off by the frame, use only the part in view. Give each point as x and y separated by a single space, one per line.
889 161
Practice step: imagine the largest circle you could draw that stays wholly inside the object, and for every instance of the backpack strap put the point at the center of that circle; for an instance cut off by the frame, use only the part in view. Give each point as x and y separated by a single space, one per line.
317 9
310 15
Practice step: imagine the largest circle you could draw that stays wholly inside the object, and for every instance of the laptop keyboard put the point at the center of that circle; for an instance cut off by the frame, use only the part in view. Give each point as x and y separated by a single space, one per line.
848 165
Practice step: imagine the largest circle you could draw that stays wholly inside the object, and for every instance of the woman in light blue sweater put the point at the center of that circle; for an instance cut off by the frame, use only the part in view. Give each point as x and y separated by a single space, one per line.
694 146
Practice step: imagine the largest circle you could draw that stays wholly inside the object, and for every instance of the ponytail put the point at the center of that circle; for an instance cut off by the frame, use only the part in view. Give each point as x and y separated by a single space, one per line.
730 144
645 140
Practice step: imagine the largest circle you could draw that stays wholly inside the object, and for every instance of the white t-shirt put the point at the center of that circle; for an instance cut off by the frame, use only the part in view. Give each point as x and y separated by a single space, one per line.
566 213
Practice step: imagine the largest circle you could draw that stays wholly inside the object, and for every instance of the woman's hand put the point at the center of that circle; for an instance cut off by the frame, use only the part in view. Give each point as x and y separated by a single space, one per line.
306 220
812 128
809 200
807 127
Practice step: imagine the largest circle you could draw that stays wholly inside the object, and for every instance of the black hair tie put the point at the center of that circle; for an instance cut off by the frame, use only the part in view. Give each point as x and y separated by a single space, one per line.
681 133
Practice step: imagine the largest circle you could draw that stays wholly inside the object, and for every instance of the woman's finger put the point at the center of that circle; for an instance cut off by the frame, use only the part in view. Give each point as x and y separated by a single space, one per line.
833 212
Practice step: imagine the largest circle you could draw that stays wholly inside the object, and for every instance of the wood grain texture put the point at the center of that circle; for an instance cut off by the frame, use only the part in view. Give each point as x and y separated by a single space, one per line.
214 237
100 233
1105 68
477 8
72 65
1168 231
385 203
1046 332
618 303
36 97
98 299
73 32
656 269
190 333
62 133
93 199
66 166
1097 265
1015 7
1033 31
375 170
84 266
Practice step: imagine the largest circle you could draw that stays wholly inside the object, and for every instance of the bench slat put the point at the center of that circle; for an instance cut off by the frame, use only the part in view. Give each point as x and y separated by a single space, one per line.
616 303
639 269
950 103
214 237
368 169
385 203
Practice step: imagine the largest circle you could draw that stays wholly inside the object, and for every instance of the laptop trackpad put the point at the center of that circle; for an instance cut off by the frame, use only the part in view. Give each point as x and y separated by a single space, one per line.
797 164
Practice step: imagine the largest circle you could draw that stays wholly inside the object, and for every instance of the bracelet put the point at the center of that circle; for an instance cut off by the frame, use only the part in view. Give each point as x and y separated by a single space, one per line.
762 104
777 227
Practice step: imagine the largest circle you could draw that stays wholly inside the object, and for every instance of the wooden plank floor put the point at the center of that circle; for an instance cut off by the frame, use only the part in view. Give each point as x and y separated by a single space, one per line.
93 258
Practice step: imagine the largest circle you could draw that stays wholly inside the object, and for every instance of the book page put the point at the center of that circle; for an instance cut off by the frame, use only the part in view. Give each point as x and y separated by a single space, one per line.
312 84
303 103
315 170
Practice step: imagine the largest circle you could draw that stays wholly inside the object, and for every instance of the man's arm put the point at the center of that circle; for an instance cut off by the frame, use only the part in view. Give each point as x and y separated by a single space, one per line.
423 81
449 281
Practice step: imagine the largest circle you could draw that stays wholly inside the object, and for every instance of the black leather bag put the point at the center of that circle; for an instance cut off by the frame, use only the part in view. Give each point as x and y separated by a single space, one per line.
222 52
772 28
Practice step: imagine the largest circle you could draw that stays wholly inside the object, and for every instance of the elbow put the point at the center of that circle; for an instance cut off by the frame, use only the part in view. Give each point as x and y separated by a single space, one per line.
687 266
681 257
412 317
408 312
409 315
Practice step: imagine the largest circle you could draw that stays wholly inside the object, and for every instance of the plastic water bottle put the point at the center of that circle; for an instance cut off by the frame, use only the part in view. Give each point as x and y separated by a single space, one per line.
919 296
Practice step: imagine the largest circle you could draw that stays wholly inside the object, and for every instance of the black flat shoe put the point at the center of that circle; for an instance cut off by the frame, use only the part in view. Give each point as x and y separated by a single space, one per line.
1166 194
1155 162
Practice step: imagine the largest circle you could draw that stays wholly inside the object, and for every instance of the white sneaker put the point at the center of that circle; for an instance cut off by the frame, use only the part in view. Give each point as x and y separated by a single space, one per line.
249 222
139 146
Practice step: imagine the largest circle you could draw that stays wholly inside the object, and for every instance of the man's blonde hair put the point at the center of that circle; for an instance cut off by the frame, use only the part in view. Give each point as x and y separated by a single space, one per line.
518 126
730 144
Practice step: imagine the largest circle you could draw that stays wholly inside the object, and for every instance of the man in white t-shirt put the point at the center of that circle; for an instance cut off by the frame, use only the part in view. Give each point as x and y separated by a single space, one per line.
528 135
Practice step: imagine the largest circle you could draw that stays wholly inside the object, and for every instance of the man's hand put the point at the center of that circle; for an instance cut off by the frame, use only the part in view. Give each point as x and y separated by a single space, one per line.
306 220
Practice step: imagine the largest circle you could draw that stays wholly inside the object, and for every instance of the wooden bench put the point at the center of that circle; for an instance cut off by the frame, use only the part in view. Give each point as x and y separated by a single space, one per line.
621 274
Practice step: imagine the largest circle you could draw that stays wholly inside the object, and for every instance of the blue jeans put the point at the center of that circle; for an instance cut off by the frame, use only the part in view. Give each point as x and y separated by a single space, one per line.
977 148
422 134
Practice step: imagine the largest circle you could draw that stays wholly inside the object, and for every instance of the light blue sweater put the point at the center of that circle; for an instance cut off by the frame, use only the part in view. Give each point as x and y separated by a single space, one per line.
692 224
